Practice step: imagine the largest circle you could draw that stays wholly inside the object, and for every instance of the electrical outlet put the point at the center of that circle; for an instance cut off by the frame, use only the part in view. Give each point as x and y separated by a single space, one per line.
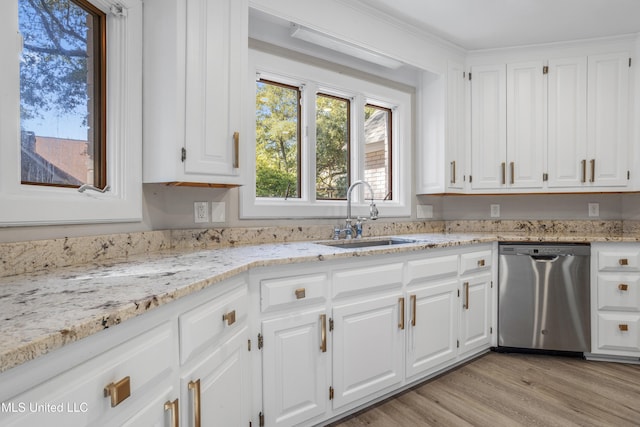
495 211
594 209
201 212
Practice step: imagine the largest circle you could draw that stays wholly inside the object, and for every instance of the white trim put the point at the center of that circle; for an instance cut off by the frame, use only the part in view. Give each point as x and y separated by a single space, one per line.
314 78
38 205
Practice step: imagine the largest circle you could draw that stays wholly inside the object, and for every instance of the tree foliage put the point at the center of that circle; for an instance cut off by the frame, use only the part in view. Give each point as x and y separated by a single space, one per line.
277 142
332 147
53 67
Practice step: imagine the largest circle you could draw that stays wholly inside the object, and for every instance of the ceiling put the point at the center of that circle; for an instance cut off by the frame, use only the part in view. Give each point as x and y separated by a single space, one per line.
486 24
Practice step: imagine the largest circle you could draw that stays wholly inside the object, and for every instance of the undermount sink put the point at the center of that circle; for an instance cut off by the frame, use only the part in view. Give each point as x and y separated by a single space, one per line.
351 244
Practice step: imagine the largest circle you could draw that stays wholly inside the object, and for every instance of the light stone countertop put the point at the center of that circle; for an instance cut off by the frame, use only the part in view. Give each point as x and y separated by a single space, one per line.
45 310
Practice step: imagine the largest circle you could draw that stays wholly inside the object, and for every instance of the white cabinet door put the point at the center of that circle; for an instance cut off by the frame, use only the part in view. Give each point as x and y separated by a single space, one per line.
197 50
475 317
214 60
488 127
367 347
567 121
607 124
217 386
432 326
526 124
455 139
295 367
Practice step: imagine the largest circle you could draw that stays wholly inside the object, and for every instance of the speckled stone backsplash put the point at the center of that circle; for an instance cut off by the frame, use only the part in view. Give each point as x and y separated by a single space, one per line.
30 256
568 228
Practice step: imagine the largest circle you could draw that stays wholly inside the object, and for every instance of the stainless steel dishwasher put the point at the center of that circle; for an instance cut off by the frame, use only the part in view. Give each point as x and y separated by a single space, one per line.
543 297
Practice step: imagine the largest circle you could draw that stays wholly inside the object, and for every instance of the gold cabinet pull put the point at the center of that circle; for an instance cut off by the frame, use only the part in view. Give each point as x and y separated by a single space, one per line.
623 287
118 391
229 317
593 170
453 172
175 416
301 293
512 166
584 170
401 323
413 309
236 150
323 333
623 327
195 386
504 173
466 295
623 261
480 263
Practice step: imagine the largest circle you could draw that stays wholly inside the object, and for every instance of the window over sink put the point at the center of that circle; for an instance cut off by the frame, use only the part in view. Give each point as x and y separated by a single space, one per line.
318 130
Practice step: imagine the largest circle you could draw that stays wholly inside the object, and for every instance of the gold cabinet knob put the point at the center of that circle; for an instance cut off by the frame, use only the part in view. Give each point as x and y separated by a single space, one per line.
480 263
118 391
623 287
623 261
229 317
623 327
301 293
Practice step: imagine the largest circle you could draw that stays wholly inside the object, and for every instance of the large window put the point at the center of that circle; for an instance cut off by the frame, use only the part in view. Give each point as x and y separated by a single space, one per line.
67 117
316 132
62 93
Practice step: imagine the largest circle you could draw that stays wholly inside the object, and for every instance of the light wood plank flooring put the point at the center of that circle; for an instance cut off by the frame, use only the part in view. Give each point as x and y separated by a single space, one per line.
516 390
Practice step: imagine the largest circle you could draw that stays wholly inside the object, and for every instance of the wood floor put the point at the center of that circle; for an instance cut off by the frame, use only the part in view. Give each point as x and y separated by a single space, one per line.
516 390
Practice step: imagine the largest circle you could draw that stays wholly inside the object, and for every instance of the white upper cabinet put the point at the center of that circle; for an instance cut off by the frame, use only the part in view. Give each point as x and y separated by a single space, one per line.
588 121
488 127
608 115
526 124
561 127
567 160
192 100
455 126
508 126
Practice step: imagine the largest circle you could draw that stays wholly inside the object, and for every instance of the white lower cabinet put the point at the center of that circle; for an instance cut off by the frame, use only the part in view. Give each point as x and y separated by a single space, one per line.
295 364
433 326
368 338
615 300
339 335
475 315
131 374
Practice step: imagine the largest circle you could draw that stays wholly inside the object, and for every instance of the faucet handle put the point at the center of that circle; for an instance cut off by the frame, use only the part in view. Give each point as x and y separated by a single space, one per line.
373 211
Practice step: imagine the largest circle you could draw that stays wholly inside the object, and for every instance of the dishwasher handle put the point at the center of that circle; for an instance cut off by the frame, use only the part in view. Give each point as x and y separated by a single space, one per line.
544 258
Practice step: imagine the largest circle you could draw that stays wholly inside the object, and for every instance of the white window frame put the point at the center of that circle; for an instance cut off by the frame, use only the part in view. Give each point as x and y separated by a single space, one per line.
314 79
22 205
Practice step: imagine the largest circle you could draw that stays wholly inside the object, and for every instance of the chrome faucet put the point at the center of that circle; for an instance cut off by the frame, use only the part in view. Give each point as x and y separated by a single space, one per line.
373 210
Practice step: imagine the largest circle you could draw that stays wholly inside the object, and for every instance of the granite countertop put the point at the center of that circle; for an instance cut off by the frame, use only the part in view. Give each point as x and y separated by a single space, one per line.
45 310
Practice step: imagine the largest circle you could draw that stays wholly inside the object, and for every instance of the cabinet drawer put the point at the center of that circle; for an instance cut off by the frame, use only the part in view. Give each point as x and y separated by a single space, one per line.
374 277
619 292
432 268
627 259
619 332
205 324
77 397
277 293
475 261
